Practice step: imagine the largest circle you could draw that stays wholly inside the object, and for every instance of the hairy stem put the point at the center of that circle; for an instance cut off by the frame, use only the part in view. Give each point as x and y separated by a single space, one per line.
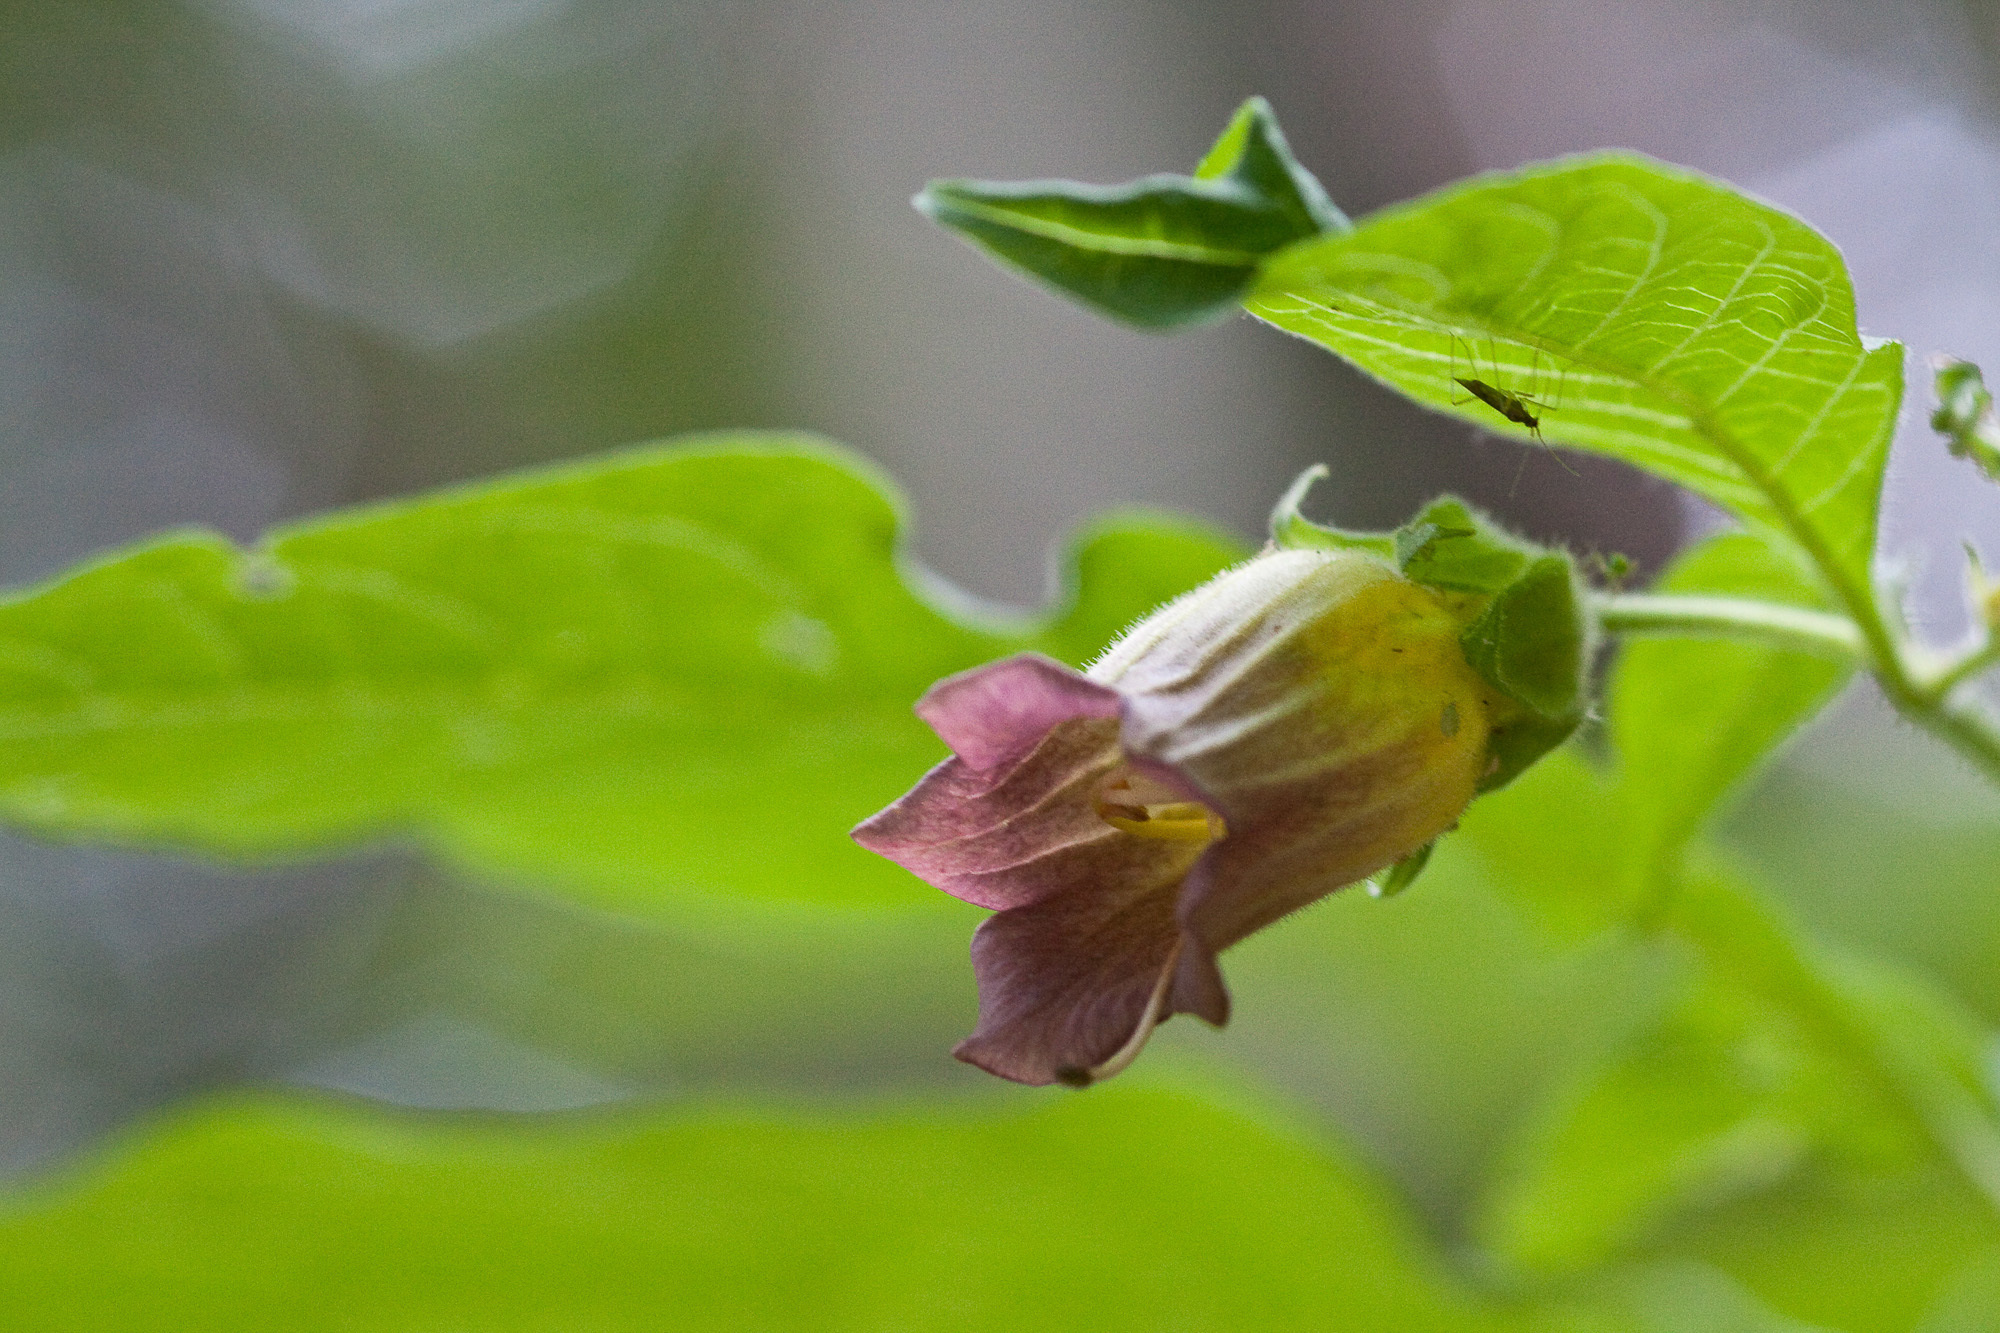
1818 632
1957 671
1926 698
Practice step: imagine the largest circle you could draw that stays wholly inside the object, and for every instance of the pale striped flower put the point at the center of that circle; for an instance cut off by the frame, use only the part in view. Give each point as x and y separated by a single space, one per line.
1298 724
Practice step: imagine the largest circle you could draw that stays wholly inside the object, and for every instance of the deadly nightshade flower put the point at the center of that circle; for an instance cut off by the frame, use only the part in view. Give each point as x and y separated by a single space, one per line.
1300 723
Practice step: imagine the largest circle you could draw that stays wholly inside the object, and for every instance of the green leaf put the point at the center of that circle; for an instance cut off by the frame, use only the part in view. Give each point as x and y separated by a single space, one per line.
1252 154
1895 1032
1846 1249
1129 1208
1720 1098
1777 1058
1547 839
1158 252
1690 718
544 676
1644 312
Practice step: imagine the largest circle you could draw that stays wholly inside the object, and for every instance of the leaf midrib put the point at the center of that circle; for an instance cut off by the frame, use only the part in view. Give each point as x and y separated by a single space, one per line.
1109 242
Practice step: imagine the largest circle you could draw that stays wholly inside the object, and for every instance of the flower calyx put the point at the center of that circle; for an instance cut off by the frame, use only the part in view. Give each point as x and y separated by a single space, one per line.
1525 629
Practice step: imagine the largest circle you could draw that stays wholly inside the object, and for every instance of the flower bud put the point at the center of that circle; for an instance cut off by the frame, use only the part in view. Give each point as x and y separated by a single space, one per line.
1297 724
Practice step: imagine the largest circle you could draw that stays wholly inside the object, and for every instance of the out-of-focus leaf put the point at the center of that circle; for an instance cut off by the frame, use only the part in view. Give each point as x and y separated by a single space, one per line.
1776 1056
1678 1297
1635 309
1552 842
1158 252
1896 1042
1849 1248
1887 860
1692 718
1970 1301
1133 1208
1722 1097
669 670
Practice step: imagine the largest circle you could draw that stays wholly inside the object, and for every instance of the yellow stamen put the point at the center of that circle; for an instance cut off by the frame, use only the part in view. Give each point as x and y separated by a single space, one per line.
1146 809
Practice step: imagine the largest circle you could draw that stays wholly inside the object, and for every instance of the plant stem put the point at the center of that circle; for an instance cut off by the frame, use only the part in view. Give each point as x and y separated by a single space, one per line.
1821 633
1955 673
1923 697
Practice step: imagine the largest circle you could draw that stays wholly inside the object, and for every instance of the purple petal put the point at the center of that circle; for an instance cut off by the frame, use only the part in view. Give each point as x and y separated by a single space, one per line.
1070 987
999 712
1009 836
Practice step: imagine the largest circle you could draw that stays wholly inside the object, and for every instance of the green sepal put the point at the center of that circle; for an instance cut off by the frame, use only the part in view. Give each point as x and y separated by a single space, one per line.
1514 747
1454 547
1530 641
1403 874
1527 634
1293 531
1160 252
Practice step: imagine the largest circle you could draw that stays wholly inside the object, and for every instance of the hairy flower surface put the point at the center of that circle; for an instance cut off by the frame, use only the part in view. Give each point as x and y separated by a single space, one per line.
1297 724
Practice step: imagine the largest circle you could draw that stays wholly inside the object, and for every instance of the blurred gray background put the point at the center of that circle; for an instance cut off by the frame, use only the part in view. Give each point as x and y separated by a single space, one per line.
260 257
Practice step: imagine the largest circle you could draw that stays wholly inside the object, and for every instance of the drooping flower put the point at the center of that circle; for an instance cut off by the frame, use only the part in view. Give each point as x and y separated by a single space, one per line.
1300 723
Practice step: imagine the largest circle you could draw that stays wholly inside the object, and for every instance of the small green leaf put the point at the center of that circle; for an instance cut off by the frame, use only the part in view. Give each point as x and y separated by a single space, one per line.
1252 153
1650 313
1965 416
542 676
290 1218
1159 252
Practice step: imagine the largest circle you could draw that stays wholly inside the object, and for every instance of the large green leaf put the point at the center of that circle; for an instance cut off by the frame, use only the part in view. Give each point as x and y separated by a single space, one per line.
670 670
1691 718
1637 310
1132 1208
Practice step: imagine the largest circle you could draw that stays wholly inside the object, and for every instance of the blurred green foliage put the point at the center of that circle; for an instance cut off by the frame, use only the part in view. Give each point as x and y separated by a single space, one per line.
680 669
1142 1207
1617 1085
